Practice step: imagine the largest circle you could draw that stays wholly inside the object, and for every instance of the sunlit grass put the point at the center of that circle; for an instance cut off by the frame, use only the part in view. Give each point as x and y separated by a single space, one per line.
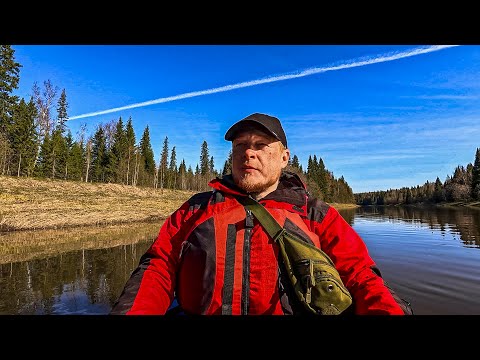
29 204
34 204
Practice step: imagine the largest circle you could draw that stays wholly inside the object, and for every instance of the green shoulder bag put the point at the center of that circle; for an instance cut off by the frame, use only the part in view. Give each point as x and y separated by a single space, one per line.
312 273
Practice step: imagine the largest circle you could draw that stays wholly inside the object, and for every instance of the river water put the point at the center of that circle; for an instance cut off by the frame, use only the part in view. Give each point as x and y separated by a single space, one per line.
430 256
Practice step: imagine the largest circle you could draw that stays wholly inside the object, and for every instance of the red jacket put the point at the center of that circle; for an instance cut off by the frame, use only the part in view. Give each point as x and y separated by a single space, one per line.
216 260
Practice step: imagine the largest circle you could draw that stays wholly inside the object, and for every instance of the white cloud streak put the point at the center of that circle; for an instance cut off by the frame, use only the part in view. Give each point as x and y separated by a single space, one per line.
298 74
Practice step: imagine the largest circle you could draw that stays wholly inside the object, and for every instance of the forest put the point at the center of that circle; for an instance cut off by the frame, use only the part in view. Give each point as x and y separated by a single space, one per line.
463 186
35 142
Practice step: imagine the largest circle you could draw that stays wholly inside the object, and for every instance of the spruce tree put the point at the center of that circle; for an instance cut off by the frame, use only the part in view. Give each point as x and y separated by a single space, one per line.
118 152
147 152
172 170
99 150
62 112
182 174
130 144
204 159
75 162
163 166
438 192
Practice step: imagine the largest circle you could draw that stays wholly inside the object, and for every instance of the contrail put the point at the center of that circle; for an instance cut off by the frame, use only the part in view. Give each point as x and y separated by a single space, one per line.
307 72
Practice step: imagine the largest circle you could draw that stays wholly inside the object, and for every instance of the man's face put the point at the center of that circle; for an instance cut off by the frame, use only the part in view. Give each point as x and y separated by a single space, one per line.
257 161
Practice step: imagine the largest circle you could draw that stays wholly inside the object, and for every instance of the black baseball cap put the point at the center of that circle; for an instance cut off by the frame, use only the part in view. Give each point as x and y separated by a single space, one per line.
268 123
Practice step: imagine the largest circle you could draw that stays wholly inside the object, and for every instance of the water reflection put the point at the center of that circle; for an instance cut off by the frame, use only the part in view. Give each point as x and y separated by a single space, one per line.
464 221
69 272
77 282
426 254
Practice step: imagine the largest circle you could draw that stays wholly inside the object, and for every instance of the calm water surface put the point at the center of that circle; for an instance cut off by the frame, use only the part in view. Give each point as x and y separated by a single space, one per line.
430 256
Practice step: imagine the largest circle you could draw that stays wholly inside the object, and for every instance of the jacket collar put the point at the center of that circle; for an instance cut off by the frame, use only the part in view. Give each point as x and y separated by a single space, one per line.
290 194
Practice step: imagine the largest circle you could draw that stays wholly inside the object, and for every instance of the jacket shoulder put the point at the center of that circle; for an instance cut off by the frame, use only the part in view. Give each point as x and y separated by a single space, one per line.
316 209
203 199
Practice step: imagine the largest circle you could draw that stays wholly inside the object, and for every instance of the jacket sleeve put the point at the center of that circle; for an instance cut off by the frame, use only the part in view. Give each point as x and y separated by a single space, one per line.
354 264
150 288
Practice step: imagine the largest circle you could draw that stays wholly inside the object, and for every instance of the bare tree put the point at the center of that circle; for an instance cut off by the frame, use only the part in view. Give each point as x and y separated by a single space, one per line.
110 128
44 102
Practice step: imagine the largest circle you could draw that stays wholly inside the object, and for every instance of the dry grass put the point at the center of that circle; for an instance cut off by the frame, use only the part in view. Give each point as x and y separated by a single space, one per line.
30 204
33 204
343 206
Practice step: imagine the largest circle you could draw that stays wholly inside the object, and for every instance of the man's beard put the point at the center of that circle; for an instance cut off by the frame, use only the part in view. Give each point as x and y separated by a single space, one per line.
249 185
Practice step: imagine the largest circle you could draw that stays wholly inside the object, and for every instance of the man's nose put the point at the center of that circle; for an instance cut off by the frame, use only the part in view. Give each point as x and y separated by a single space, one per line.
250 153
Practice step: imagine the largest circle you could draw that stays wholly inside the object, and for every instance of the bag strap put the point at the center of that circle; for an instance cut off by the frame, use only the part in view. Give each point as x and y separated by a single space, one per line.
271 225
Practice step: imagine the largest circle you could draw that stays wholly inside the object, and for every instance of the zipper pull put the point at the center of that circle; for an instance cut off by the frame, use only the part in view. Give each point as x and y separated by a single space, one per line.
249 219
309 282
312 275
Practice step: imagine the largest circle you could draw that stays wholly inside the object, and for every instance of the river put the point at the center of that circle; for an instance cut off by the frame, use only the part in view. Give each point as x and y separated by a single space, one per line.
430 256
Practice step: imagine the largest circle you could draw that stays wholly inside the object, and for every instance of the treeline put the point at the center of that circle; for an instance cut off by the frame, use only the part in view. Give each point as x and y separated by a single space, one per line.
462 186
321 182
35 142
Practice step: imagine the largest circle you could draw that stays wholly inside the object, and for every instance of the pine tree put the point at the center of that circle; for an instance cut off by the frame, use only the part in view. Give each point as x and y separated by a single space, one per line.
227 167
476 176
68 148
211 165
23 138
190 178
44 163
295 163
323 180
9 79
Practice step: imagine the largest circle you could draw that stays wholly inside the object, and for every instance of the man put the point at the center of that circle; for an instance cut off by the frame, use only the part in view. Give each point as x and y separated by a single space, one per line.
213 257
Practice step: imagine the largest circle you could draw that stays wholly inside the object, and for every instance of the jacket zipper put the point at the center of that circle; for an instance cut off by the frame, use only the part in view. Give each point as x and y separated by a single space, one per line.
246 262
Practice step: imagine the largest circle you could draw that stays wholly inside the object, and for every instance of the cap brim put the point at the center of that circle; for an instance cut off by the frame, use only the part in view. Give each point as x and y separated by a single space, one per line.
247 125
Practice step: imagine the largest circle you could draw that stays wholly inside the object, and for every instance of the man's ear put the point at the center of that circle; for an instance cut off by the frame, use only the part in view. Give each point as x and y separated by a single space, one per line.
285 157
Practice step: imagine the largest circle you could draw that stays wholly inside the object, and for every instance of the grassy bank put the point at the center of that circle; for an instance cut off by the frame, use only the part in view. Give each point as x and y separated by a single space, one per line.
34 204
343 206
31 204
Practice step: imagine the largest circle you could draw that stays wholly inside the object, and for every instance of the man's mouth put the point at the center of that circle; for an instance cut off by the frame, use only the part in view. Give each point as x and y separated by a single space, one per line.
248 168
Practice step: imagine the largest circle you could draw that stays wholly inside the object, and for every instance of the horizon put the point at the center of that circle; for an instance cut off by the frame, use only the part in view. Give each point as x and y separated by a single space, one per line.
383 117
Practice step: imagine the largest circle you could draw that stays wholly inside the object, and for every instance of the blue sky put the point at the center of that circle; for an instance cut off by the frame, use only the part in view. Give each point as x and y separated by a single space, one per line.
383 117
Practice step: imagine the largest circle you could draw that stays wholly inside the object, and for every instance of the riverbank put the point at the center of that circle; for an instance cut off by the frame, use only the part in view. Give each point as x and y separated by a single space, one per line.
39 204
33 204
